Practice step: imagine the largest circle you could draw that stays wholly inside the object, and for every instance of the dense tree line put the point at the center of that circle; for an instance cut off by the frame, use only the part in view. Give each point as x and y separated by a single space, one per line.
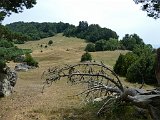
138 65
91 33
36 31
128 42
8 35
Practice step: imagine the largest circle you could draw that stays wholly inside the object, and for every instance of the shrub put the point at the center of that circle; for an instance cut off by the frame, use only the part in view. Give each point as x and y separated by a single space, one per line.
118 67
30 61
123 63
50 42
111 44
6 44
142 70
86 57
100 45
90 47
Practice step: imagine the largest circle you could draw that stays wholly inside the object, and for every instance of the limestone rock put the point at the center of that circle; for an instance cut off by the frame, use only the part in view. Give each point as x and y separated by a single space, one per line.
22 67
8 80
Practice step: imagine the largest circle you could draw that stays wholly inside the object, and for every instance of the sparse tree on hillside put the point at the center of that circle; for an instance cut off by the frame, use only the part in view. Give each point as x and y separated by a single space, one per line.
86 57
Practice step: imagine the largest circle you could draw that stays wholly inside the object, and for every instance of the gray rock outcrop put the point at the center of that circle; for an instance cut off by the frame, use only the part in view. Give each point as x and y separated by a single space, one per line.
8 80
22 67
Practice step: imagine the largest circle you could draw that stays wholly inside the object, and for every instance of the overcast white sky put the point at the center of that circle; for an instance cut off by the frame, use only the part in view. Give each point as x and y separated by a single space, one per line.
122 16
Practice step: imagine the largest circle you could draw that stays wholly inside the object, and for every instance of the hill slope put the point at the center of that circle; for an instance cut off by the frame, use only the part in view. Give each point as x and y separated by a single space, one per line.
28 103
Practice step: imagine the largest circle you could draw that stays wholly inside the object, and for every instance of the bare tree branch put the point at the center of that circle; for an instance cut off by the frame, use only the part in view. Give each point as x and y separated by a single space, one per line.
103 80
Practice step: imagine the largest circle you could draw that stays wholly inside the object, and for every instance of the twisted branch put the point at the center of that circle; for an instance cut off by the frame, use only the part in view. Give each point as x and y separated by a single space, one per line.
102 79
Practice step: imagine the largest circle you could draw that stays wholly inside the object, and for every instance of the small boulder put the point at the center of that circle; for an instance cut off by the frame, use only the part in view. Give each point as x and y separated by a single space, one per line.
22 67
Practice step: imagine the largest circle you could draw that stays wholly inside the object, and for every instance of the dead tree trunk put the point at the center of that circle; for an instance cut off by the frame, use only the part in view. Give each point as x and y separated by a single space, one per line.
102 79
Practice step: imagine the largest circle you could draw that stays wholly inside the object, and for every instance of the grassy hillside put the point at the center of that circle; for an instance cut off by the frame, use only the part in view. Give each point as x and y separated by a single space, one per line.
28 103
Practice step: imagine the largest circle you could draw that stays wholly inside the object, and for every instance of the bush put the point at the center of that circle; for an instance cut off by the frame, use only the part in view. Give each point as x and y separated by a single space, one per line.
90 47
86 57
118 67
50 42
6 44
100 45
112 44
142 70
30 61
124 62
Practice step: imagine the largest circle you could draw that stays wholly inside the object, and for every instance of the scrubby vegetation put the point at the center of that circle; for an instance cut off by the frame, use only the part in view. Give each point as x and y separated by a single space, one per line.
90 47
138 66
8 50
30 61
86 57
50 42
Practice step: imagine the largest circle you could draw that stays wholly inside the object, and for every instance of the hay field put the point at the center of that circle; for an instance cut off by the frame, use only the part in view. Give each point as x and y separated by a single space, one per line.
28 103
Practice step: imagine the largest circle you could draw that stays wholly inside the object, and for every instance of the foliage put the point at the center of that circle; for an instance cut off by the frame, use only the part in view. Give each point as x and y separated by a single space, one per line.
137 66
152 7
143 70
92 32
16 6
100 45
12 53
86 57
90 47
118 67
30 61
50 42
130 41
123 63
8 51
36 31
6 34
112 44
127 43
6 44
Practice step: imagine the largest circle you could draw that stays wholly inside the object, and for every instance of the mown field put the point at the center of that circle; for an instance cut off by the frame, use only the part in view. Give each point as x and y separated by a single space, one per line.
57 102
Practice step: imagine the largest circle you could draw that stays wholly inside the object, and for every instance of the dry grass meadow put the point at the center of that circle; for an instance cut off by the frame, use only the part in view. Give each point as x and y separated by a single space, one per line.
28 103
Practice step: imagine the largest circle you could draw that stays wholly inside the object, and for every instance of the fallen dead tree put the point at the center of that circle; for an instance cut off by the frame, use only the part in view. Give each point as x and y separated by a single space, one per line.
103 84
